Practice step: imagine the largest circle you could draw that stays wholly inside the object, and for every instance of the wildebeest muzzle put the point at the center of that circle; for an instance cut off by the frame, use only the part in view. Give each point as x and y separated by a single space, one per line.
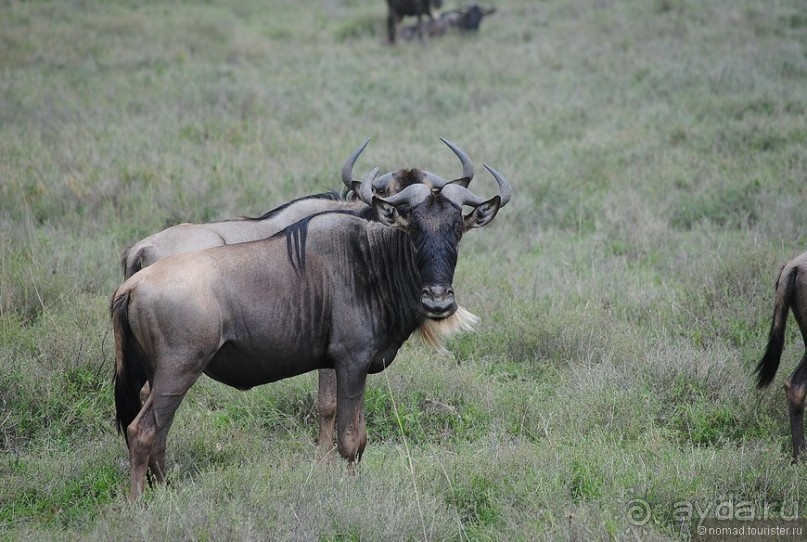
438 301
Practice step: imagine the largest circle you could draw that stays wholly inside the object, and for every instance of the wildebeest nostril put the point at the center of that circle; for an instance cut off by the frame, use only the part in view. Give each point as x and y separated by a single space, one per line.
437 293
438 302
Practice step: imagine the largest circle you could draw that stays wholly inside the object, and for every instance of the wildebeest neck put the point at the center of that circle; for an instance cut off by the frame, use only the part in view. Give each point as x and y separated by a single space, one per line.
394 281
380 261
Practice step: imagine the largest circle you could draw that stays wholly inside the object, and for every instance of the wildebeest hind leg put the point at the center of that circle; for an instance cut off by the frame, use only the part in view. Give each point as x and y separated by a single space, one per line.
149 431
156 468
796 391
144 392
326 407
140 436
157 459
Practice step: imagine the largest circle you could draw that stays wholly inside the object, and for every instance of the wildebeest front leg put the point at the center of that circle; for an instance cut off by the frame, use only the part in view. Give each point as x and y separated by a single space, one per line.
351 433
796 391
326 407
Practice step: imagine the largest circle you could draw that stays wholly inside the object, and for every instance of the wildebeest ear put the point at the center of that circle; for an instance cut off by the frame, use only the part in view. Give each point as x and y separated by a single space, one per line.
482 213
388 214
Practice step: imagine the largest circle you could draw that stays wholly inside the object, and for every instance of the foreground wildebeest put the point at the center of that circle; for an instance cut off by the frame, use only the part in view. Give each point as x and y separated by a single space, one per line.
331 291
185 238
457 20
791 294
398 9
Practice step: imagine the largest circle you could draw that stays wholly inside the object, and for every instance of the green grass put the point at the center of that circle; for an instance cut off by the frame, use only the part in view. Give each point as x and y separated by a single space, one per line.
657 155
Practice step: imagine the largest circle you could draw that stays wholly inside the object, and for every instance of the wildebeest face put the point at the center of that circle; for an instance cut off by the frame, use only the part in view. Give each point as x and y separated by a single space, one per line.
434 222
430 212
435 228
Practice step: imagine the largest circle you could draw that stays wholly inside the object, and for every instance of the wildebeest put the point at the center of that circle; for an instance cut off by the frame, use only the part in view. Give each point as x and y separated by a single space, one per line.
471 17
791 294
184 238
190 237
330 291
456 20
398 9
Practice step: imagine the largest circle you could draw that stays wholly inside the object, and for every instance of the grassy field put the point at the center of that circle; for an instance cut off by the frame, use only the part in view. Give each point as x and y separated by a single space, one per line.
658 154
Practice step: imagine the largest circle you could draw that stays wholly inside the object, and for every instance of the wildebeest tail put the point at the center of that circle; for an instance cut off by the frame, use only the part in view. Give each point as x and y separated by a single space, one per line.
131 263
768 365
130 374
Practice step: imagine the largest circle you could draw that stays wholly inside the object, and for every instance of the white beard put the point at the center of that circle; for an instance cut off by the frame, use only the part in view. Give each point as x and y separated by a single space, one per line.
434 332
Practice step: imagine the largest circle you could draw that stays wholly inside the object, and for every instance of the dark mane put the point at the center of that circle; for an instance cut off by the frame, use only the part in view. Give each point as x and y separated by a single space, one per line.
330 195
297 233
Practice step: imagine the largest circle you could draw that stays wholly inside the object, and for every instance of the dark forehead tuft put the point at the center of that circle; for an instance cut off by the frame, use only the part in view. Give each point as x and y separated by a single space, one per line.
408 177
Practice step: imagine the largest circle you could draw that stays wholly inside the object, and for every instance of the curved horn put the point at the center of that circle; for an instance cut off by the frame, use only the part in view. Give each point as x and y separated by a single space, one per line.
347 169
412 194
459 195
467 169
505 190
364 189
436 181
467 165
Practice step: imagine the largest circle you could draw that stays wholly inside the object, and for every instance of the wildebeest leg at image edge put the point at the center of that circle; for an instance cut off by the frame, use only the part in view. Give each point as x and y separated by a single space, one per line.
791 295
796 391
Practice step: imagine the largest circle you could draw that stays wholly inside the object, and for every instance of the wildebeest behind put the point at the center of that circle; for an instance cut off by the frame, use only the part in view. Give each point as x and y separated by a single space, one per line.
791 294
184 238
457 20
252 313
190 237
398 9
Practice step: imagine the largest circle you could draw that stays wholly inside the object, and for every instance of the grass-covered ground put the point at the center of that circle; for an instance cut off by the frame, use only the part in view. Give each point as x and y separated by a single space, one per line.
658 153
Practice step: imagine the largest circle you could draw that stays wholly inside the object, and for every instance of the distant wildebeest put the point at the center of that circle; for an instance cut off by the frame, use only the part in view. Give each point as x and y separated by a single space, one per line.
791 294
457 20
398 9
184 238
470 18
330 291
